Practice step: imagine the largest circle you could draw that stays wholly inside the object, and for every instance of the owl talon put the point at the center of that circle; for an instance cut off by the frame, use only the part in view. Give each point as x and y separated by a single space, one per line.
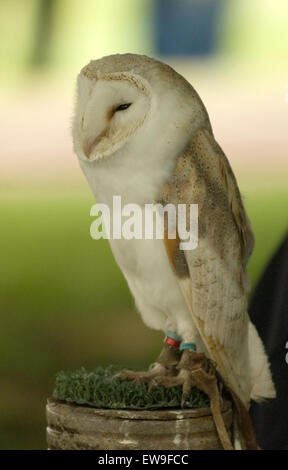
195 370
183 401
156 373
135 377
167 381
153 383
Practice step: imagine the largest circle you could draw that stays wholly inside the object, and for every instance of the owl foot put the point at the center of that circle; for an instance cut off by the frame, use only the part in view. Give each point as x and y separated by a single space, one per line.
158 370
165 366
195 370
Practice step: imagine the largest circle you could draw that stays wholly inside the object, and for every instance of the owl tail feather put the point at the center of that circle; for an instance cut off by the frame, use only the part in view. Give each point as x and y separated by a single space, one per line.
245 425
262 386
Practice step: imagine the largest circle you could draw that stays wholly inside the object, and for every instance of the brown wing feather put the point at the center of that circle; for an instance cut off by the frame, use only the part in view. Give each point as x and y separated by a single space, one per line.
214 281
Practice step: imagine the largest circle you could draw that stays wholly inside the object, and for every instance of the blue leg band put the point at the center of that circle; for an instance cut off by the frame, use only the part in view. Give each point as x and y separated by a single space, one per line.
191 346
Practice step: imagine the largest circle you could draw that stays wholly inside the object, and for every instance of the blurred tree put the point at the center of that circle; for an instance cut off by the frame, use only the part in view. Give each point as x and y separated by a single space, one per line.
43 32
256 30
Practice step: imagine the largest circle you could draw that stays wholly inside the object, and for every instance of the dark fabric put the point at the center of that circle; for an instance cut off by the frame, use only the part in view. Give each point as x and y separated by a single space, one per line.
269 313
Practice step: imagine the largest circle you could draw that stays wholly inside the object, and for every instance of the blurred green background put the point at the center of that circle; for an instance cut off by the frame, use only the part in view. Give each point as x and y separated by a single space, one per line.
64 302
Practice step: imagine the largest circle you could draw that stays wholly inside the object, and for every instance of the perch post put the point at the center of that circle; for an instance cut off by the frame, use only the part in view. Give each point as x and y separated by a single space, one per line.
77 427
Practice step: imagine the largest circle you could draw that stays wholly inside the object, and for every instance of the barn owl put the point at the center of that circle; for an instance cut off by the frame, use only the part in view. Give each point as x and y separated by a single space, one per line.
141 131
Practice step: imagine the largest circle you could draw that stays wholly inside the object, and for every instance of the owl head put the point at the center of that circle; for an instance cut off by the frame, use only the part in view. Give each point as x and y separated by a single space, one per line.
126 96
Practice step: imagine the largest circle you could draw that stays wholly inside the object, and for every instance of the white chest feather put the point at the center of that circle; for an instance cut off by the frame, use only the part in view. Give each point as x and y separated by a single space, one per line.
146 267
144 263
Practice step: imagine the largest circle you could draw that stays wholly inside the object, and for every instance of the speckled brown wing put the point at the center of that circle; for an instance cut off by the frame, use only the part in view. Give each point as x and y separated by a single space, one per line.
213 276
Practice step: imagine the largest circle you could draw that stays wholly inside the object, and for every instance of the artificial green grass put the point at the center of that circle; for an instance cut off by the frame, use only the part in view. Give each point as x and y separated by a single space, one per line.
101 389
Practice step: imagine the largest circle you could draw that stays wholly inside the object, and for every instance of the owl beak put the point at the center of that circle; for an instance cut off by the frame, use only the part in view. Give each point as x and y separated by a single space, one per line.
89 146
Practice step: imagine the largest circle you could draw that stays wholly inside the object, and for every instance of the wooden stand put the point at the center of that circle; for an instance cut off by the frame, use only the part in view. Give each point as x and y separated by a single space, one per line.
84 428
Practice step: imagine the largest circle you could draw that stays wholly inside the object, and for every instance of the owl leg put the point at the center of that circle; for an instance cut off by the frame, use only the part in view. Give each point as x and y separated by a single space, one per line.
195 370
187 372
165 365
